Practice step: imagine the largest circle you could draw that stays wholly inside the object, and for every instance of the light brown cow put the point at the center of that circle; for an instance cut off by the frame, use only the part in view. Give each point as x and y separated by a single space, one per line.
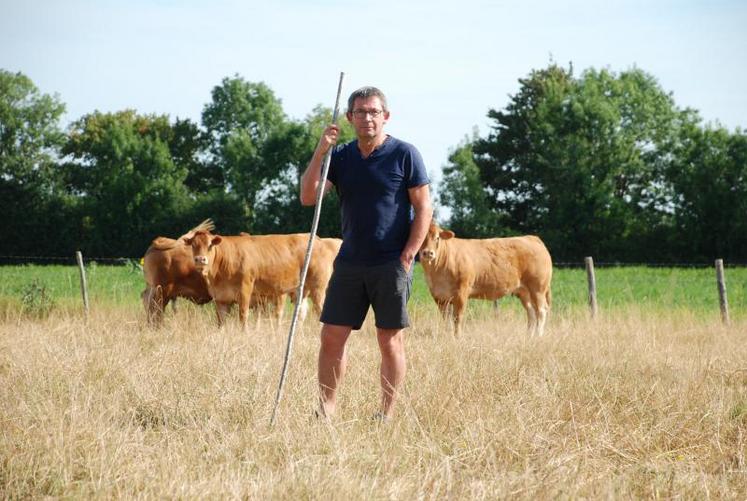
457 269
169 272
238 267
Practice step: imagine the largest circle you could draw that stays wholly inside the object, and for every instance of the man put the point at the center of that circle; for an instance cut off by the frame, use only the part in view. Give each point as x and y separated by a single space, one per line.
379 180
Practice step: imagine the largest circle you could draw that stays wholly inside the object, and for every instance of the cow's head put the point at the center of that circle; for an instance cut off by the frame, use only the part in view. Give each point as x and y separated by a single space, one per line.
429 249
203 249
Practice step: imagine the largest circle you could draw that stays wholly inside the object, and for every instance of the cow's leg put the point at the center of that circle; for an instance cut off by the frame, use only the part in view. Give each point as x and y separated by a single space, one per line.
258 312
279 305
147 296
443 307
153 302
317 299
459 305
245 297
303 310
244 312
221 310
526 301
539 299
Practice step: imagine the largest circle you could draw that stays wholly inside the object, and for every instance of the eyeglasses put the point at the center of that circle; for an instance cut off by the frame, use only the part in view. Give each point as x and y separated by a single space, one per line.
363 113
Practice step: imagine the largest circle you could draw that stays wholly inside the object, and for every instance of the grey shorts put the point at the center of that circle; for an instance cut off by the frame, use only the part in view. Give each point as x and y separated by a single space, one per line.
353 288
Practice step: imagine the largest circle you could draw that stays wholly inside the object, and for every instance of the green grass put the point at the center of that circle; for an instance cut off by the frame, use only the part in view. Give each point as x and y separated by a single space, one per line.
687 288
109 284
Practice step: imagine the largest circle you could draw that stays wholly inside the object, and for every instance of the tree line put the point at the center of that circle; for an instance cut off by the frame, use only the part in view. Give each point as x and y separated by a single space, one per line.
602 163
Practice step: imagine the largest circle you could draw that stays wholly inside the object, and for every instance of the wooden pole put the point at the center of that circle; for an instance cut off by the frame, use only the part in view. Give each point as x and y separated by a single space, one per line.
307 260
592 285
721 282
83 286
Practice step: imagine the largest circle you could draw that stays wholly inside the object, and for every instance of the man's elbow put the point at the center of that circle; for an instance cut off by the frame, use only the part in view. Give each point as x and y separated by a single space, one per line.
307 200
425 210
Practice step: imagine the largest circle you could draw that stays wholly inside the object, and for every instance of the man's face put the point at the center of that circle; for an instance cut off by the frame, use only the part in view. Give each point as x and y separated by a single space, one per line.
366 125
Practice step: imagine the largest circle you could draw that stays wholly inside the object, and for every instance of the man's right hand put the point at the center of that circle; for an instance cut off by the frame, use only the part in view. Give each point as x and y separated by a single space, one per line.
310 178
329 138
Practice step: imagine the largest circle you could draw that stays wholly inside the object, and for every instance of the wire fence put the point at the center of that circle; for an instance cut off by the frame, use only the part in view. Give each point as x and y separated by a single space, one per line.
690 285
123 261
42 260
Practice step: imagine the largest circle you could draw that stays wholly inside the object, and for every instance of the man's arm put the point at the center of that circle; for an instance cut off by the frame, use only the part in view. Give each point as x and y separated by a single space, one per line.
420 198
310 178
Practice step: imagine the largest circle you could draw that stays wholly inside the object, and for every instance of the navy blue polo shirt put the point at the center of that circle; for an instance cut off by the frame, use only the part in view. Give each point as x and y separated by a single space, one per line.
374 203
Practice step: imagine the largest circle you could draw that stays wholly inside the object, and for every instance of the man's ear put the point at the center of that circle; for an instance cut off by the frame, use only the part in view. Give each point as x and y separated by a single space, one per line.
447 234
349 116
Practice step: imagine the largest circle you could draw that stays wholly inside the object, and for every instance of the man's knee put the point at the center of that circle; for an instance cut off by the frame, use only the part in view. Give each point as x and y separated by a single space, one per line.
333 338
391 341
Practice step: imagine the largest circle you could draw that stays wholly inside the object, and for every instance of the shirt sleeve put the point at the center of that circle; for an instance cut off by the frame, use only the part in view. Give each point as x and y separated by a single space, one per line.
416 173
334 164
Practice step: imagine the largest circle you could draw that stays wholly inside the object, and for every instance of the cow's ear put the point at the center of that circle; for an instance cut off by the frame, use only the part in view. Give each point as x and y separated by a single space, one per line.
447 234
188 241
216 240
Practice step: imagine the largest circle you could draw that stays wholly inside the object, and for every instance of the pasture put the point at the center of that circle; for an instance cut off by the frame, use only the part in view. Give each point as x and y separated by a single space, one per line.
647 400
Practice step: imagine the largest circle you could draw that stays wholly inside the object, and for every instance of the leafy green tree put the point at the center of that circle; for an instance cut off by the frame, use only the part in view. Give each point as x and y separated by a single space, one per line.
188 145
262 154
34 209
128 187
579 161
278 209
241 118
462 191
708 174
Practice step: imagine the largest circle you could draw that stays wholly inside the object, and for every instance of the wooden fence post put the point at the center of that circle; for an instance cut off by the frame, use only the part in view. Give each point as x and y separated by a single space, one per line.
721 282
83 287
592 285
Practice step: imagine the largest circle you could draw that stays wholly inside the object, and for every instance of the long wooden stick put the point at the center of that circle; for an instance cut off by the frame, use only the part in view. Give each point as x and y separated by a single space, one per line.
307 260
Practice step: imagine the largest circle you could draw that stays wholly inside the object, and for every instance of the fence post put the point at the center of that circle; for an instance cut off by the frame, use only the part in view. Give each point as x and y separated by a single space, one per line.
592 285
721 282
83 287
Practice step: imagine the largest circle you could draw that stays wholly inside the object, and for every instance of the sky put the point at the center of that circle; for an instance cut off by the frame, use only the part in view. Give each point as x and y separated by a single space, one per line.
442 65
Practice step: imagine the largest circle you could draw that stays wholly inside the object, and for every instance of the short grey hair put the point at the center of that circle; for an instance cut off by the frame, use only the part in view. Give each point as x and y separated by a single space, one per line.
365 93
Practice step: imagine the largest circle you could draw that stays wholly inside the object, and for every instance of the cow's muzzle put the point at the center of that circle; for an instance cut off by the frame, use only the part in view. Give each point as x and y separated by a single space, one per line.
201 261
427 255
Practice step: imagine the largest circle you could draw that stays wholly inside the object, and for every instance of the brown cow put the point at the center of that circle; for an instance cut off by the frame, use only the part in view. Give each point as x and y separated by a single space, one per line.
169 273
238 267
457 269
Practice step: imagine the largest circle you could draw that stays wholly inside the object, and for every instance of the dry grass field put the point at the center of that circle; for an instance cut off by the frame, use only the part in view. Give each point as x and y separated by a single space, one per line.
640 403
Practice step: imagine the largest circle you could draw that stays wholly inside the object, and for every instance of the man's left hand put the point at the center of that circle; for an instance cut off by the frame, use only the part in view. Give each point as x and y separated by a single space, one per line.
407 260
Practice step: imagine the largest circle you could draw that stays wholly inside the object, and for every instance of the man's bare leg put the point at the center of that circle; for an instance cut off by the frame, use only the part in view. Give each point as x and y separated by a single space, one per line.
393 366
332 362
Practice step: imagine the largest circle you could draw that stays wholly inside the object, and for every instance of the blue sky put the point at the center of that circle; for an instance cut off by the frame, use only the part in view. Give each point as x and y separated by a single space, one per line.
441 64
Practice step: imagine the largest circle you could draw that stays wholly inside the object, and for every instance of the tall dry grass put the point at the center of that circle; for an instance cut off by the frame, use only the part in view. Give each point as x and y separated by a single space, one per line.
639 403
